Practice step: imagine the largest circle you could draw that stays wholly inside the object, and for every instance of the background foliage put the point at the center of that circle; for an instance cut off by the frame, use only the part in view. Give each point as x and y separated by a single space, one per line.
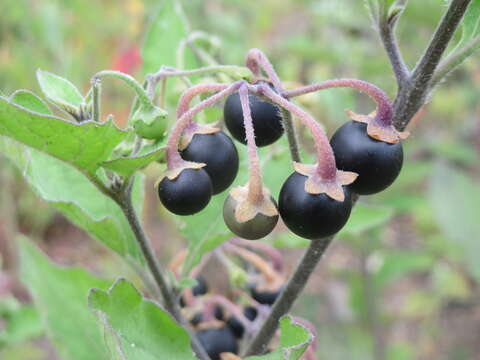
401 282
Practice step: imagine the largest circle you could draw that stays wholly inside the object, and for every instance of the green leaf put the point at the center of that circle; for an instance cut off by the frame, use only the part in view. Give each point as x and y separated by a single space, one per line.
470 24
61 296
60 91
365 218
138 328
30 101
127 166
165 33
455 200
84 146
70 192
20 322
294 341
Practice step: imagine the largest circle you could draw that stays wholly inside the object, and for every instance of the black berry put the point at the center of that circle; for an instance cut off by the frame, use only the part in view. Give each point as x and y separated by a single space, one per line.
188 193
236 326
266 117
219 154
201 288
217 341
265 297
377 163
258 227
312 216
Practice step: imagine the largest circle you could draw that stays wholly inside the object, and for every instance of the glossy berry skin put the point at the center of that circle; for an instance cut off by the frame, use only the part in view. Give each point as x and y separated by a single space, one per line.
264 297
219 154
188 193
258 227
217 341
266 117
377 163
308 215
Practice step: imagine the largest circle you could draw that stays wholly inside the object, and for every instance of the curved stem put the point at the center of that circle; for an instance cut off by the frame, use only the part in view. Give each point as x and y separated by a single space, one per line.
255 187
257 60
173 156
288 296
96 87
129 80
326 160
274 255
384 111
232 308
184 103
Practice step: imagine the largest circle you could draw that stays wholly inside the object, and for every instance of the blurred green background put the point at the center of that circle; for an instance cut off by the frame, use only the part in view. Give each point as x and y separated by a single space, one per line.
404 287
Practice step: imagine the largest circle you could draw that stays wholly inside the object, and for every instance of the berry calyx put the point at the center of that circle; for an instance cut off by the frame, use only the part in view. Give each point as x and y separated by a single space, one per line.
186 192
377 162
312 216
247 219
217 341
217 151
267 119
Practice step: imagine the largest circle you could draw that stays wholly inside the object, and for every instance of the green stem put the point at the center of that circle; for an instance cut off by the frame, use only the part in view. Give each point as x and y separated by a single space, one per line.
96 86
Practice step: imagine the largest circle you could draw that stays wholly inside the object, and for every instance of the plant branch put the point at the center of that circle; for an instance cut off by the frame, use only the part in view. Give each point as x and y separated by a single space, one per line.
96 86
452 61
291 135
292 290
124 200
414 94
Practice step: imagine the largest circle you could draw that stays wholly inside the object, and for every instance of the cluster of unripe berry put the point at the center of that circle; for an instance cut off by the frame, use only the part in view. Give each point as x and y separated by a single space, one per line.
363 157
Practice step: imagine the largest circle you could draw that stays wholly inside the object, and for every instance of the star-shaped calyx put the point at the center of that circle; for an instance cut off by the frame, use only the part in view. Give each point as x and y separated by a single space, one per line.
195 128
181 165
315 184
377 129
247 209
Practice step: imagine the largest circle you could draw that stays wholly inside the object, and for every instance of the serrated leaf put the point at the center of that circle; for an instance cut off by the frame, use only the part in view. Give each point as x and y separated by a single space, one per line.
164 35
59 91
141 328
127 166
69 191
61 296
294 341
82 145
455 200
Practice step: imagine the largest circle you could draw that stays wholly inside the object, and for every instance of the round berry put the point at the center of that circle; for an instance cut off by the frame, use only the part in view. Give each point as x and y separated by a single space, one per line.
258 227
217 340
220 156
377 163
188 193
312 216
236 326
266 118
265 297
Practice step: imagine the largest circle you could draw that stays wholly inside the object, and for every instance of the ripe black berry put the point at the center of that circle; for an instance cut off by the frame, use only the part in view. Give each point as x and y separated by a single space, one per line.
219 154
266 117
201 288
217 341
188 193
312 216
236 326
265 297
377 163
258 227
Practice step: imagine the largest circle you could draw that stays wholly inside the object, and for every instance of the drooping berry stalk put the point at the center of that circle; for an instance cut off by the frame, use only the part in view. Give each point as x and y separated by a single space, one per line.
384 111
192 92
173 156
326 160
266 249
257 60
255 187
215 300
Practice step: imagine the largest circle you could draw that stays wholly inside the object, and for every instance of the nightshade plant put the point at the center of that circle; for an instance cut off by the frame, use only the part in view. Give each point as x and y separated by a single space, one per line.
363 157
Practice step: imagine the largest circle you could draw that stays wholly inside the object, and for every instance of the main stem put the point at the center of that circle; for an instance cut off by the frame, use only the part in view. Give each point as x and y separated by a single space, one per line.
284 302
124 200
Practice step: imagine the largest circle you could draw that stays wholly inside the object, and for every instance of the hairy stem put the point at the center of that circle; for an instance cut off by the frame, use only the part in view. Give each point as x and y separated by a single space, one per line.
326 160
124 200
255 187
291 135
96 86
184 103
286 299
413 95
257 60
384 107
173 156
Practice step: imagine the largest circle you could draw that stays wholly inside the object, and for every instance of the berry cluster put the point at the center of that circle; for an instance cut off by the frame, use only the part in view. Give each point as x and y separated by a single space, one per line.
221 324
363 157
